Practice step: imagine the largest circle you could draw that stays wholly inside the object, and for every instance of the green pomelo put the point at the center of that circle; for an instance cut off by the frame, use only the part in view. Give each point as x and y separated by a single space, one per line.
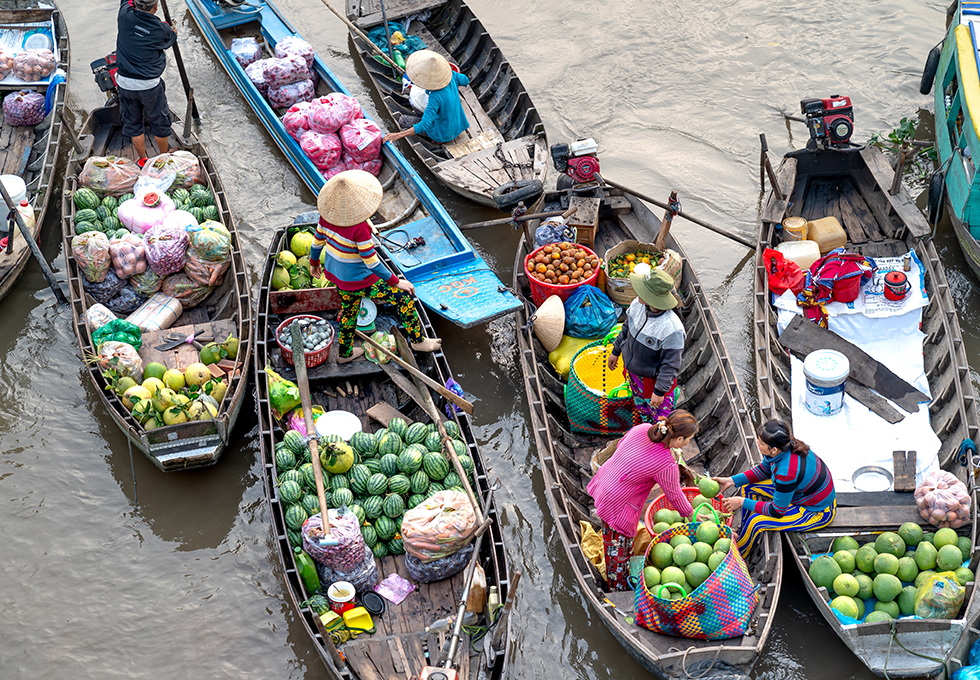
949 558
708 532
929 536
673 575
651 576
845 584
680 540
708 487
910 553
907 570
846 561
887 587
716 559
845 605
923 575
684 554
660 527
663 515
865 559
925 556
911 533
890 543
886 563
662 555
823 571
866 585
704 551
877 617
906 601
700 500
723 545
944 536
860 604
674 595
844 543
696 573
963 543
890 608
963 575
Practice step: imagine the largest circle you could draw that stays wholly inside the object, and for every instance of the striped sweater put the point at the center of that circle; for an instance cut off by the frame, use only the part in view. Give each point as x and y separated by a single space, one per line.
803 481
622 484
350 261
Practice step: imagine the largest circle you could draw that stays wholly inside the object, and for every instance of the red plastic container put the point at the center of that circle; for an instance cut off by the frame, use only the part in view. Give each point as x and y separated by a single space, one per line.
660 503
312 358
541 291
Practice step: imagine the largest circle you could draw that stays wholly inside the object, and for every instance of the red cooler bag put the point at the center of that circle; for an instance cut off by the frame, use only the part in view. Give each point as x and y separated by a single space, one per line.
839 275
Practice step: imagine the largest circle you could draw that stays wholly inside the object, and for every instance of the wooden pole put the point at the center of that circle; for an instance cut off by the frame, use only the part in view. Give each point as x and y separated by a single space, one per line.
32 244
191 110
903 155
522 218
661 240
776 190
391 48
180 64
762 163
360 34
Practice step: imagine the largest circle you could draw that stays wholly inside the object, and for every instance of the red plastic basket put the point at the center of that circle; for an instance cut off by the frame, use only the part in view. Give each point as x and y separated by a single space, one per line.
541 291
660 503
312 358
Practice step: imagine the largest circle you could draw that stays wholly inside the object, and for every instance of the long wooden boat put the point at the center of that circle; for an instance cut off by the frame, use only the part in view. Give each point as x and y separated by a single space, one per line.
852 184
506 139
31 153
401 646
227 310
724 445
450 278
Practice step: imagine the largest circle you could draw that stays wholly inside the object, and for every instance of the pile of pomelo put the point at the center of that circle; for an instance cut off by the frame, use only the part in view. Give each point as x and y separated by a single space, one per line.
171 396
889 570
685 562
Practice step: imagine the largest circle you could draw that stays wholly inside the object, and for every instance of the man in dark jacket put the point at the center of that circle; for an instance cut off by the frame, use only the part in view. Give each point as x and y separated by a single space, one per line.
141 42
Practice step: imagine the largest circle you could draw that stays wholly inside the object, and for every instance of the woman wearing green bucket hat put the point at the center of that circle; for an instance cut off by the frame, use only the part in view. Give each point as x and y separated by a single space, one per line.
651 343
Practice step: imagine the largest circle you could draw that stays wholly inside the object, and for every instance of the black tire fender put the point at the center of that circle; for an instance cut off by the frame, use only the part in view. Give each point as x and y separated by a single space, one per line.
508 195
929 70
937 185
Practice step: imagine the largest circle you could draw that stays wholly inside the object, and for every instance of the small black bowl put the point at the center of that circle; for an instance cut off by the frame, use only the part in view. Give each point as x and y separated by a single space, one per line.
374 603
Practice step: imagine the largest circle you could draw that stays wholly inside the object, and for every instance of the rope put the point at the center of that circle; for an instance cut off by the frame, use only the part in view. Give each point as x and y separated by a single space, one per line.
507 164
894 638
687 673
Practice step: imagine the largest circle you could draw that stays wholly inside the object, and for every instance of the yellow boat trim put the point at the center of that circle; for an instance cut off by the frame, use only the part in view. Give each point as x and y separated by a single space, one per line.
969 76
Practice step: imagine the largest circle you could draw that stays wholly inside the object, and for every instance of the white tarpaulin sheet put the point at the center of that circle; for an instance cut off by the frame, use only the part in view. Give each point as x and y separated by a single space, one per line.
857 437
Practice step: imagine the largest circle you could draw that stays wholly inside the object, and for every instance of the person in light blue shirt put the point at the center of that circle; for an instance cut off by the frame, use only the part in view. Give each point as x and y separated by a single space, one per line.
444 119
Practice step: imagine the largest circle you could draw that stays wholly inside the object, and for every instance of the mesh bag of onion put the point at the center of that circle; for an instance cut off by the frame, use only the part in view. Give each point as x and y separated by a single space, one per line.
24 108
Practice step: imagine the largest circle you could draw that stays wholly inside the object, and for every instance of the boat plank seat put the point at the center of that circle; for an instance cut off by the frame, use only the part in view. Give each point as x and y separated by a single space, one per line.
367 13
901 203
184 355
15 146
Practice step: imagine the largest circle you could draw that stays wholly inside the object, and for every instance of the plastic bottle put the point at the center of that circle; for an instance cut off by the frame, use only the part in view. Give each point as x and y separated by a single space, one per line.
27 212
307 571
493 601
478 591
446 624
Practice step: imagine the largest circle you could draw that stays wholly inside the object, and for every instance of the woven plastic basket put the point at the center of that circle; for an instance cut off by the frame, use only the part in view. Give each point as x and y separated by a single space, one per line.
692 492
312 358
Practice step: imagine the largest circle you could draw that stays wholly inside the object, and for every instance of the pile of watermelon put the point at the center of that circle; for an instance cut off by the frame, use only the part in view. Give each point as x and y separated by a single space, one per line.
199 202
393 470
93 214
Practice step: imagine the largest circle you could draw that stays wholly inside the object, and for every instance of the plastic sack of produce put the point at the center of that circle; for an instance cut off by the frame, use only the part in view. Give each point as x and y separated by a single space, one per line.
166 247
361 139
7 57
157 313
91 252
589 313
943 500
295 120
279 72
333 170
283 394
334 111
183 164
109 175
372 354
245 50
208 253
291 46
287 95
939 597
363 577
146 283
437 570
105 290
120 357
296 419
372 166
439 526
128 255
97 316
323 149
126 302
34 65
23 108
120 331
190 293
346 529
256 73
146 210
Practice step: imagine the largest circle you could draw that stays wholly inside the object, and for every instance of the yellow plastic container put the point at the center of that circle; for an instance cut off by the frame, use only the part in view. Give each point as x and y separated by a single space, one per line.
331 620
359 618
794 229
803 253
826 233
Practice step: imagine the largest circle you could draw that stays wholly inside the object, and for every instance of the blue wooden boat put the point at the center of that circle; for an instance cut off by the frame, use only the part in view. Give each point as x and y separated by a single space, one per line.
450 278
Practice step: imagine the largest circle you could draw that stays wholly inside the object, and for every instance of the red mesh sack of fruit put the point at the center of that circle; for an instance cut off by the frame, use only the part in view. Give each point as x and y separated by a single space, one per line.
287 95
256 73
334 111
279 72
109 175
323 149
291 46
943 500
24 108
373 166
128 255
362 140
246 50
296 121
166 248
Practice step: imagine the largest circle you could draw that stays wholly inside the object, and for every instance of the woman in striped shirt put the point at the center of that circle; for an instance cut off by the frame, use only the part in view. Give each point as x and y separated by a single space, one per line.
790 490
621 486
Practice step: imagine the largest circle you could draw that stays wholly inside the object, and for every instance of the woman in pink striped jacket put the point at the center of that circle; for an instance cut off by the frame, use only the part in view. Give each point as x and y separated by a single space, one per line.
622 484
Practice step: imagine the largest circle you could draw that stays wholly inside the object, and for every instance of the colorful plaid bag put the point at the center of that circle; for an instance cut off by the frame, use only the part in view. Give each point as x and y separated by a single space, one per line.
596 399
718 609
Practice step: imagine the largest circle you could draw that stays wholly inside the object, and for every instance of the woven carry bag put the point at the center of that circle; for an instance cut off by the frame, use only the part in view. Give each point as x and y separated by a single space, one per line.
591 410
718 609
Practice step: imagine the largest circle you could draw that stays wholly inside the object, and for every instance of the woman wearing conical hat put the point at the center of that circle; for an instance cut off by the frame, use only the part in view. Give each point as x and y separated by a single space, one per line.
343 252
444 119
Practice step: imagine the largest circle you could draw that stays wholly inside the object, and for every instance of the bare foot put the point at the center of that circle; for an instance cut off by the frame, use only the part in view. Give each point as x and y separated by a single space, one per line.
427 345
356 354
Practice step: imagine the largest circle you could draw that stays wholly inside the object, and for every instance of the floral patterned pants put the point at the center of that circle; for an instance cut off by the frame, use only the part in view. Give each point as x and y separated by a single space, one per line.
618 549
382 294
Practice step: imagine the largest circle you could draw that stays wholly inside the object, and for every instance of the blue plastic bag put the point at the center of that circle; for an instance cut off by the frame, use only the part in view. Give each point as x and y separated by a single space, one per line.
967 672
589 313
975 654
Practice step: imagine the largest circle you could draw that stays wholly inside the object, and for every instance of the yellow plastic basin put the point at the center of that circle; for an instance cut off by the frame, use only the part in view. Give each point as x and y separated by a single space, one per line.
359 617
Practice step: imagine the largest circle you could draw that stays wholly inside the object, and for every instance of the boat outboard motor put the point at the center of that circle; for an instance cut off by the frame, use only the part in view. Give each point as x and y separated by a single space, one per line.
830 121
576 161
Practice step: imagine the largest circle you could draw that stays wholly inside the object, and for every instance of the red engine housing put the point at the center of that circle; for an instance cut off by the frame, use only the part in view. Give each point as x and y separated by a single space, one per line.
582 168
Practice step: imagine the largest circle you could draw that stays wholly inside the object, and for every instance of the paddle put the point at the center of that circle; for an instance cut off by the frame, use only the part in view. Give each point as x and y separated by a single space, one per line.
360 34
188 90
32 244
718 230
520 218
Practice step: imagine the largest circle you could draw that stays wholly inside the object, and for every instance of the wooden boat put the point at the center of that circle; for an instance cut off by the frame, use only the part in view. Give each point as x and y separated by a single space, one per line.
227 310
450 278
31 153
401 643
506 139
852 185
724 445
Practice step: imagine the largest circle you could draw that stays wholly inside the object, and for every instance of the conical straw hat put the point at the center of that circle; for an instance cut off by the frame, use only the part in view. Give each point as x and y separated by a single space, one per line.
428 70
349 198
549 322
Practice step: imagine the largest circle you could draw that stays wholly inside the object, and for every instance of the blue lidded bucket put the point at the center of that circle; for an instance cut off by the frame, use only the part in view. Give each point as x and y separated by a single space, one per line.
826 372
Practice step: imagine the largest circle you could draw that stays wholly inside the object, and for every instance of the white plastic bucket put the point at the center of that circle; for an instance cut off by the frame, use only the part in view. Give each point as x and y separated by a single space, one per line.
826 373
15 187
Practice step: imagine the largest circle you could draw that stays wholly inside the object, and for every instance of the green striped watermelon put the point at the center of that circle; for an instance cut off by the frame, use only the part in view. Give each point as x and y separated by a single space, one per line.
86 215
380 434
372 507
396 547
385 526
110 203
103 212
364 443
390 443
393 506
415 499
372 464
420 483
180 195
435 487
380 550
452 479
370 535
309 476
436 466
359 475
399 484
399 426
198 213
84 227
459 447
433 442
311 504
295 538
358 511
211 213
86 198
389 465
290 492
415 434
466 462
452 429
377 484
111 225
124 198
338 482
295 441
290 476
285 460
295 516
342 497
410 460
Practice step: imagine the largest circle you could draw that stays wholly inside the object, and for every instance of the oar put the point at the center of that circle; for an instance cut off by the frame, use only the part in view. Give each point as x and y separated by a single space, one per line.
416 373
32 244
391 48
360 34
188 90
520 218
303 383
718 230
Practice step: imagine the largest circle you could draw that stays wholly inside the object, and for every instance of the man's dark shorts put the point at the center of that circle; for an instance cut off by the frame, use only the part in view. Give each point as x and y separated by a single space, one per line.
152 103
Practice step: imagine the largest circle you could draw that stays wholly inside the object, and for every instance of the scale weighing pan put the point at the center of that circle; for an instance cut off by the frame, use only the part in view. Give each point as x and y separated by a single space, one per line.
342 423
